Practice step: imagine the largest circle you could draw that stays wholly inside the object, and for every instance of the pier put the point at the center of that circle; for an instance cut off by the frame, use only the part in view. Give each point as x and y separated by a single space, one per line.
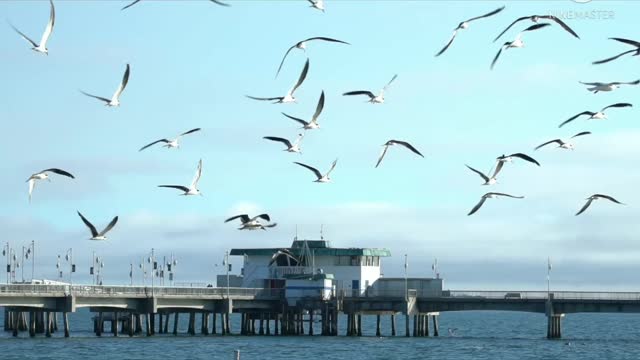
146 311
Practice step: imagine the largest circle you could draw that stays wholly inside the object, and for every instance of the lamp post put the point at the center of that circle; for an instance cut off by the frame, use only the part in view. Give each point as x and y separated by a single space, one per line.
406 281
130 274
154 266
434 267
5 252
26 252
68 257
144 273
171 268
228 266
549 266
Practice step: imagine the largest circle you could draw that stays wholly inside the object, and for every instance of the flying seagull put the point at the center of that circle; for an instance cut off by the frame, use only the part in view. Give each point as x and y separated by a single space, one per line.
95 235
599 115
396 142
372 98
565 144
464 25
536 19
283 252
598 86
115 99
517 43
626 41
170 143
42 47
42 175
313 124
193 188
320 178
488 180
593 197
295 147
137 1
490 195
289 97
509 158
317 4
303 46
252 223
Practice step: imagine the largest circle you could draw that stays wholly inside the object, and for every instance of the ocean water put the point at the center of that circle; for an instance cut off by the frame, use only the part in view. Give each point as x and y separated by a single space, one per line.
479 335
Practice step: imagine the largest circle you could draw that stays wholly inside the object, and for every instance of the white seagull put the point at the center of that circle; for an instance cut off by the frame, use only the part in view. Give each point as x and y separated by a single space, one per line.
291 147
593 197
289 97
536 19
565 144
170 143
379 99
396 142
302 45
598 86
517 43
598 115
488 180
490 195
137 1
253 223
320 178
464 25
509 158
313 124
317 4
95 235
193 188
42 47
43 175
287 254
115 99
626 41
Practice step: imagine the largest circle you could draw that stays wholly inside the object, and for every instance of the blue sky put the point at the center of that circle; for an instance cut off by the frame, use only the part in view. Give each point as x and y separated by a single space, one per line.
192 62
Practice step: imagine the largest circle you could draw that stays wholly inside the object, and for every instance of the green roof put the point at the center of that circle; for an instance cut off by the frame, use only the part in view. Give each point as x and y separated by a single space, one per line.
317 247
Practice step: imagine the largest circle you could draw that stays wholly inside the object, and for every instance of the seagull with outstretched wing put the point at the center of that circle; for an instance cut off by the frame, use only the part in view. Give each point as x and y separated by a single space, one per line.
115 99
42 46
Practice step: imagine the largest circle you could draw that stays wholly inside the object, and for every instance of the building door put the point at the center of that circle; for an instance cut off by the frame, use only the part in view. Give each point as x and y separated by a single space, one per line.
355 288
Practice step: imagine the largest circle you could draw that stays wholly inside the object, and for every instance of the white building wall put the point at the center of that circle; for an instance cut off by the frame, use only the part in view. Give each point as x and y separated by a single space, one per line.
256 269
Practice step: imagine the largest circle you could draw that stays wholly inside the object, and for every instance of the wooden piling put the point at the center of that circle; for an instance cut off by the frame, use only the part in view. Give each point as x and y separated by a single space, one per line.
268 319
32 324
152 326
228 323
147 323
205 323
393 325
65 321
175 323
406 325
310 322
261 331
436 331
378 325
138 324
114 324
47 328
55 321
213 327
160 327
15 323
223 328
192 323
99 321
415 325
275 324
131 322
166 322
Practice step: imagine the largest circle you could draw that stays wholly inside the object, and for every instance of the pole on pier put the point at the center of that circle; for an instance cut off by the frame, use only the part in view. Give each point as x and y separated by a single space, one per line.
65 321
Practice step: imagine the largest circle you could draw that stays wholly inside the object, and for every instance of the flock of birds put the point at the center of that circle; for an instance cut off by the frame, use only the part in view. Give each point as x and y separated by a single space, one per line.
253 223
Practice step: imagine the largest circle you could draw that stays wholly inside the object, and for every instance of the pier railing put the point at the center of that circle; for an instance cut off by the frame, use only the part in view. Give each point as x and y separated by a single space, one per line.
137 291
537 295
